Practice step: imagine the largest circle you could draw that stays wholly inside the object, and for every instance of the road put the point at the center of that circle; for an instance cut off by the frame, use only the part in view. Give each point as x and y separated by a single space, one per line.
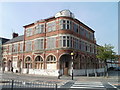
65 81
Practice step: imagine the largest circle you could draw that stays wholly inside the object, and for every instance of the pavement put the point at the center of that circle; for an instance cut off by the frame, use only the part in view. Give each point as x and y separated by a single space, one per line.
101 82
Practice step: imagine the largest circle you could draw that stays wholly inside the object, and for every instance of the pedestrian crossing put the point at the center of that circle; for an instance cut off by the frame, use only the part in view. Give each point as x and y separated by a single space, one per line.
89 85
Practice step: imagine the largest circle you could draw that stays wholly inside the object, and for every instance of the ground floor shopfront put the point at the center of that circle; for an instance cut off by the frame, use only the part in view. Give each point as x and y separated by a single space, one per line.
54 63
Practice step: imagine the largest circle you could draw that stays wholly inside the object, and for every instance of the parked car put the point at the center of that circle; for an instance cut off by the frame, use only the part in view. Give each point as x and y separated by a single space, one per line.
117 69
111 68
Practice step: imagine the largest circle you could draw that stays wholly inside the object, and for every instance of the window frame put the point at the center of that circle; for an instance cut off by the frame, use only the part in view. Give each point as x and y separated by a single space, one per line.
28 44
65 24
39 44
51 26
51 42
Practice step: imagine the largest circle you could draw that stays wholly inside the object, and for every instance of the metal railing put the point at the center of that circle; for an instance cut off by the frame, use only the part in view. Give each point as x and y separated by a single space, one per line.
22 84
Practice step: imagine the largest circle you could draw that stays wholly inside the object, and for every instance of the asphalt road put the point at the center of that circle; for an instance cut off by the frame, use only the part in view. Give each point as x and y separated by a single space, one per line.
65 81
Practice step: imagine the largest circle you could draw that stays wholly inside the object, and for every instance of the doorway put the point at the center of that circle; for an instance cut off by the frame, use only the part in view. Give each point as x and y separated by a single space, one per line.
65 64
66 68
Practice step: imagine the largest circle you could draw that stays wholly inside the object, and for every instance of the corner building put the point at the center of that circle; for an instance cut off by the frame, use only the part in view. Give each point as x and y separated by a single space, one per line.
46 47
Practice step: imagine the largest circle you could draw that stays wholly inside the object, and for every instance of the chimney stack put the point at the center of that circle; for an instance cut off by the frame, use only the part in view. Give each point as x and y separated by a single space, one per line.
14 35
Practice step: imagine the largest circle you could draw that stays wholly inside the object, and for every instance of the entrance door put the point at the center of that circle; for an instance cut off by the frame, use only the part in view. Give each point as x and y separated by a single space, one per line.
66 64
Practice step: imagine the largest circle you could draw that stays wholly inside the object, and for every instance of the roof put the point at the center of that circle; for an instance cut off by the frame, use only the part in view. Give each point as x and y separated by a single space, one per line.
3 40
16 39
42 20
66 13
85 25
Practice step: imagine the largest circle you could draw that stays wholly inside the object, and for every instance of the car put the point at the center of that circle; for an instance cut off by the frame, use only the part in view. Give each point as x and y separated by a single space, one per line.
111 68
117 69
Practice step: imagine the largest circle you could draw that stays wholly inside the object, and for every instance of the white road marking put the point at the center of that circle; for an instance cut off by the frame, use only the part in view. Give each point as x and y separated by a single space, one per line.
87 85
112 85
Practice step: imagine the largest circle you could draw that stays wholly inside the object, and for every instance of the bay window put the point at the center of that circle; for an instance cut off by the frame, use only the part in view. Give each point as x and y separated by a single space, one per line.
29 32
65 24
21 47
39 44
76 26
10 48
15 48
65 41
51 26
39 29
51 42
28 46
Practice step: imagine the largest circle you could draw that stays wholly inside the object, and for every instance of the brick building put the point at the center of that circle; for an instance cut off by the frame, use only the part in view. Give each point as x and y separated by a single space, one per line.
2 41
47 44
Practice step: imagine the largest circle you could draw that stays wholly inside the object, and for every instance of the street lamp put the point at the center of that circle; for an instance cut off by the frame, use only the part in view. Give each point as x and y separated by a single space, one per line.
72 57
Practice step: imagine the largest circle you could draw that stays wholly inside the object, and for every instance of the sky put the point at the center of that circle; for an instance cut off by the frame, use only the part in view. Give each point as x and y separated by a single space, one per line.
119 29
102 17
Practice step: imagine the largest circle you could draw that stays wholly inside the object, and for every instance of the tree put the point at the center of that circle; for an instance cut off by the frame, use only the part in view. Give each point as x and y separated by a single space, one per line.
104 53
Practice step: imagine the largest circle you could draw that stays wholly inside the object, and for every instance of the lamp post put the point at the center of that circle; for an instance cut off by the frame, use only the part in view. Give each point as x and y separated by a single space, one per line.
72 57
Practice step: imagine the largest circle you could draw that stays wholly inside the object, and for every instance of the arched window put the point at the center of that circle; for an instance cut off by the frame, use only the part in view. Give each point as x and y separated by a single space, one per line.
51 59
28 62
38 62
51 62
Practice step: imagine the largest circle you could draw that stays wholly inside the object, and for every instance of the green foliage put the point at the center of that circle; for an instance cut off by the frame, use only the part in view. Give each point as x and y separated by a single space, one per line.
106 52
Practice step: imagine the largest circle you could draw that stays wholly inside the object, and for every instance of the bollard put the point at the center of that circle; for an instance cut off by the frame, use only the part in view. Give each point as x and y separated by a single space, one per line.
107 74
87 74
72 75
95 74
12 84
56 86
58 76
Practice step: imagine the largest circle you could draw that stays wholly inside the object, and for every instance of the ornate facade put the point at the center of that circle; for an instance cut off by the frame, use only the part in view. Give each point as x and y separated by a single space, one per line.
46 47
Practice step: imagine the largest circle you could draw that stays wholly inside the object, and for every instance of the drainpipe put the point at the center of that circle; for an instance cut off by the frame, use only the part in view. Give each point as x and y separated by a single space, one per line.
45 63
